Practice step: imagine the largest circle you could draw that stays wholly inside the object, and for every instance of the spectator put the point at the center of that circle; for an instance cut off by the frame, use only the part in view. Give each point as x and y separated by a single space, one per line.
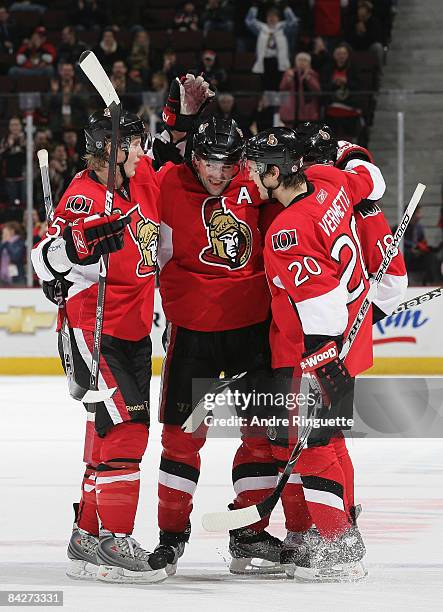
12 254
301 86
421 258
225 108
170 67
42 138
70 48
217 16
139 55
128 90
263 116
35 57
210 65
327 20
88 16
160 84
13 160
60 172
366 33
70 140
108 50
38 228
340 82
67 109
186 18
26 6
272 51
7 33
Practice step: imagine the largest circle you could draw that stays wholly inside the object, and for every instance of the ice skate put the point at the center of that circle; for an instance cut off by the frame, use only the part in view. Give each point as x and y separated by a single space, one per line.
338 560
82 554
172 546
255 552
123 560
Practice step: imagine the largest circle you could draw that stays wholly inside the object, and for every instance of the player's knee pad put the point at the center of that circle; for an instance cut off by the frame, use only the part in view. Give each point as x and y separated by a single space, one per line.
124 442
315 460
178 444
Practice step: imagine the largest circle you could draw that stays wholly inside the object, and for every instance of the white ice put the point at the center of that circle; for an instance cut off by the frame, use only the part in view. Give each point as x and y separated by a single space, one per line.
399 483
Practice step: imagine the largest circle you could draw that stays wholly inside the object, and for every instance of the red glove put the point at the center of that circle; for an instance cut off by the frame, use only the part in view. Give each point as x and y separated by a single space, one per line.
90 237
347 151
324 362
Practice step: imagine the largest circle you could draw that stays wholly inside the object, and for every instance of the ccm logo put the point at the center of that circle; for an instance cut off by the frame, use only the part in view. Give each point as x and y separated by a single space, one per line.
284 240
325 355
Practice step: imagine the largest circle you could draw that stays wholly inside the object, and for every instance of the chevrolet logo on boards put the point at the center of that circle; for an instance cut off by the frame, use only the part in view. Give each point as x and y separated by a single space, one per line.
25 320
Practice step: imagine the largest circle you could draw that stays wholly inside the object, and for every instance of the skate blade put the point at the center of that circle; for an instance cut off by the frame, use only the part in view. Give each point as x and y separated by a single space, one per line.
254 566
112 573
345 572
81 570
171 569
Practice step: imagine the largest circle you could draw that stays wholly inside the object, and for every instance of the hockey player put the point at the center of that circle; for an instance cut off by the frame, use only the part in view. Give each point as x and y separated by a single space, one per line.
77 237
215 297
313 257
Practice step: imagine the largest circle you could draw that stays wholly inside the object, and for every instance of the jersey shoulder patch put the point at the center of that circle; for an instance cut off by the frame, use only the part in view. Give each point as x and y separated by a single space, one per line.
79 204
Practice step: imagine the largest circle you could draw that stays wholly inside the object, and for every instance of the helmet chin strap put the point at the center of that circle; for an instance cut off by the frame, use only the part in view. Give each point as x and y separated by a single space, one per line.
270 190
121 165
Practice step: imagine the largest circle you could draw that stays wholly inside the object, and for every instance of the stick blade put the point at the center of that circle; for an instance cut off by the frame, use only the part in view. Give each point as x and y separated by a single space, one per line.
96 74
231 519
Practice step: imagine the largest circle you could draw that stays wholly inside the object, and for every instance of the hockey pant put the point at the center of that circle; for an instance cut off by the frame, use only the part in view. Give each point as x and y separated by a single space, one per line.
116 433
194 355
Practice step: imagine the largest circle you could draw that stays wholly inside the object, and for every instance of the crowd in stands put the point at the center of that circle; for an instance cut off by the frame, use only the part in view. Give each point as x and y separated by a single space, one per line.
272 62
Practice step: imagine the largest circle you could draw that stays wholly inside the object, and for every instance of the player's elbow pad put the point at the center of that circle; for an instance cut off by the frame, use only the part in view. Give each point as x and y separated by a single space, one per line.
378 182
55 259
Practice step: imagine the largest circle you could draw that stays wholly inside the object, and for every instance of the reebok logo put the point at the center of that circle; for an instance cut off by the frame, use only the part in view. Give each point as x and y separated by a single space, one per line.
321 196
80 246
326 354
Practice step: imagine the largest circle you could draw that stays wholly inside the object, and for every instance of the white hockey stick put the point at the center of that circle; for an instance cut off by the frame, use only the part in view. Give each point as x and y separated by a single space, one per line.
95 72
235 519
76 391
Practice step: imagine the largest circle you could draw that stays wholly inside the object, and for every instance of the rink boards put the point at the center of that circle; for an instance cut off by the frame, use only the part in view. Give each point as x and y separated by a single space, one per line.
408 343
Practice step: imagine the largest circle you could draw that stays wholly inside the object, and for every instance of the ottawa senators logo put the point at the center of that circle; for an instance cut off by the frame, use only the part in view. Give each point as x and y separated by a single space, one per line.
230 240
145 234
79 204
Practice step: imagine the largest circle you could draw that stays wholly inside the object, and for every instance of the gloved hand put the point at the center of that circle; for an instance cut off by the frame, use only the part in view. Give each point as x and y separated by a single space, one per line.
89 238
325 364
56 290
347 151
188 95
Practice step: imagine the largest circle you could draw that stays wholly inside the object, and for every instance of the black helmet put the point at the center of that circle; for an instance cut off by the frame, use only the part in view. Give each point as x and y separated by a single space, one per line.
278 146
99 131
321 144
218 140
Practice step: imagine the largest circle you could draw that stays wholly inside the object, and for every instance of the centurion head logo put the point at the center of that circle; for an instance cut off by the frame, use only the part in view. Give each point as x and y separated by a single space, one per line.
230 240
145 233
272 140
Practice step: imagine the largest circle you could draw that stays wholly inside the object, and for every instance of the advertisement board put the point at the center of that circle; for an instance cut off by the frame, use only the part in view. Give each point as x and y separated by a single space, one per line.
410 342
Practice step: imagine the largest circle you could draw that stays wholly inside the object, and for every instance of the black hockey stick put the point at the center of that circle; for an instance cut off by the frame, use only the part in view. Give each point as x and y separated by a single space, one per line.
76 391
235 519
94 71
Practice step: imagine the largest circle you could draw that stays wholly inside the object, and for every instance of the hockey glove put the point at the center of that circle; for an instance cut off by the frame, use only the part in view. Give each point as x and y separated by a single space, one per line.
87 239
325 364
56 290
188 95
347 151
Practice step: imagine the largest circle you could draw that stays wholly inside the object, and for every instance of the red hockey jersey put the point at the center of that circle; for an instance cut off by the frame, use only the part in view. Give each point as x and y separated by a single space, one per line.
129 300
315 266
212 275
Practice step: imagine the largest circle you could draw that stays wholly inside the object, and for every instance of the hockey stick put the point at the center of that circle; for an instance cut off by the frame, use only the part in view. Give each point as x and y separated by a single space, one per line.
417 301
200 412
235 519
76 391
94 71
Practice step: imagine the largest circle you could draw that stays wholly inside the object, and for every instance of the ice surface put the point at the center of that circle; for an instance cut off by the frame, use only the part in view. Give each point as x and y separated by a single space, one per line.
399 483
